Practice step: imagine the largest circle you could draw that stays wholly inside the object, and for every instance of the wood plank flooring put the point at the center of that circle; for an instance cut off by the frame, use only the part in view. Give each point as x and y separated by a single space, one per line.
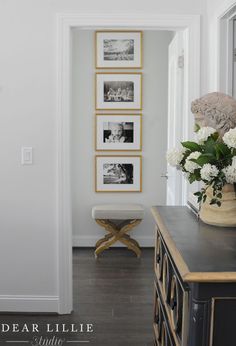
114 293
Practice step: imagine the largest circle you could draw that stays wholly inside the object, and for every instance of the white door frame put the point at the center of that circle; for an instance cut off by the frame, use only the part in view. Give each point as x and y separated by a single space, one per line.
176 182
219 28
65 23
226 35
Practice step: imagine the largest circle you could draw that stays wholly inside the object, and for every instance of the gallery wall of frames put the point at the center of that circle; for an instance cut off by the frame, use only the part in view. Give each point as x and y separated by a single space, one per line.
98 136
118 107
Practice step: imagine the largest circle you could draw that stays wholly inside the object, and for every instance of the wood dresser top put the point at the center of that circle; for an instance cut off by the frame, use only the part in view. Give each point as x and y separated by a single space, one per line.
202 253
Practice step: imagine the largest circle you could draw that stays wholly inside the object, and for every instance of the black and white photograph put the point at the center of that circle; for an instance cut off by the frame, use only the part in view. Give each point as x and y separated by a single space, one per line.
121 91
118 49
118 91
118 173
118 132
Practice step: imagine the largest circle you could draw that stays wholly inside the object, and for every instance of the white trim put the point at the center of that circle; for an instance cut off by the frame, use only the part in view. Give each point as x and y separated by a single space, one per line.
29 303
225 51
63 168
224 8
89 241
214 44
65 22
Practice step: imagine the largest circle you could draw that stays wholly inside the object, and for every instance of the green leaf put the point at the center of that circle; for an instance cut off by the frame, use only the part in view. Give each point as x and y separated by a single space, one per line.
191 178
196 127
191 146
209 147
222 149
215 136
204 158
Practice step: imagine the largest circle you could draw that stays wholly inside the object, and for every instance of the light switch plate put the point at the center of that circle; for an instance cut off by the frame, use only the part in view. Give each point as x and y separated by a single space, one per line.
26 155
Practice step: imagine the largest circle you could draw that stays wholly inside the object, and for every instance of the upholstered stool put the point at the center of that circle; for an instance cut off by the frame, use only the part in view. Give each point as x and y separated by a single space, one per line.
118 219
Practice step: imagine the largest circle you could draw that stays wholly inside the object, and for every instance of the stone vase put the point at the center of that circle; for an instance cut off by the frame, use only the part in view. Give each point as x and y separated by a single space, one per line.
225 215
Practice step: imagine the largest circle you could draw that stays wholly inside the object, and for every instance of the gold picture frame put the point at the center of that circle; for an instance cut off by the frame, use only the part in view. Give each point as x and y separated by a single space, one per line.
125 177
124 49
118 91
130 139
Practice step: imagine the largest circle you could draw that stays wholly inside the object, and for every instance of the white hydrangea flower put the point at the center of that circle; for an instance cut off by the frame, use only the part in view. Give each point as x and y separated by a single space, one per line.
203 133
189 165
209 171
229 138
175 156
230 174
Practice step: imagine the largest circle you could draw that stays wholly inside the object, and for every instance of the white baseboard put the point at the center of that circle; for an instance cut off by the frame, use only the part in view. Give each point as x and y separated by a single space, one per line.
90 241
14 303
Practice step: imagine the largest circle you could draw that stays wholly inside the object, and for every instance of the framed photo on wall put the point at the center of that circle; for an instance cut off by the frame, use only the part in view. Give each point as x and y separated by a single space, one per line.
118 91
118 173
118 49
118 132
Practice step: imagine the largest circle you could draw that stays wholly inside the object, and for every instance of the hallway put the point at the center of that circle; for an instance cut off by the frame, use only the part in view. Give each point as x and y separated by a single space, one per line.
114 293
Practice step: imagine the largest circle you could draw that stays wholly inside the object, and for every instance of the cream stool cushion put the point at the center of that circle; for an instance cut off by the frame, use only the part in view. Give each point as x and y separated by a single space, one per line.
118 212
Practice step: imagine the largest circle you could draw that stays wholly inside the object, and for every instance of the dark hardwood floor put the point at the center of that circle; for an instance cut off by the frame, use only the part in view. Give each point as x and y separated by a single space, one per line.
114 293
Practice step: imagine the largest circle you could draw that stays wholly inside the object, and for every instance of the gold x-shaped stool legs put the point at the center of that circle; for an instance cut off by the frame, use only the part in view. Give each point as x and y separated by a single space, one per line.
117 233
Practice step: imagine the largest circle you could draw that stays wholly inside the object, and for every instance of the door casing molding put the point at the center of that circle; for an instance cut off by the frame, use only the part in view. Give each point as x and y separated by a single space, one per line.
218 26
65 23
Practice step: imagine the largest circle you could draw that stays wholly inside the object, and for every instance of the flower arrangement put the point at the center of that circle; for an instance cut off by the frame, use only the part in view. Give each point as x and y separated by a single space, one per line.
210 159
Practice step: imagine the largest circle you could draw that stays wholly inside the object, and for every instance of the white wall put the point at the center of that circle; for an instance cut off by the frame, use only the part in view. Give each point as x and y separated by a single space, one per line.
155 93
28 247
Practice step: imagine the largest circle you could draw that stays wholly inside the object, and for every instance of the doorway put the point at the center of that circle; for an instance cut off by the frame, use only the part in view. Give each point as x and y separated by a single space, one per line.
84 126
227 52
191 26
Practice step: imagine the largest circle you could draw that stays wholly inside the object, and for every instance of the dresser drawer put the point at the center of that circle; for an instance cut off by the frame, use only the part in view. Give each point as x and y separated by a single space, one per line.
195 280
173 294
